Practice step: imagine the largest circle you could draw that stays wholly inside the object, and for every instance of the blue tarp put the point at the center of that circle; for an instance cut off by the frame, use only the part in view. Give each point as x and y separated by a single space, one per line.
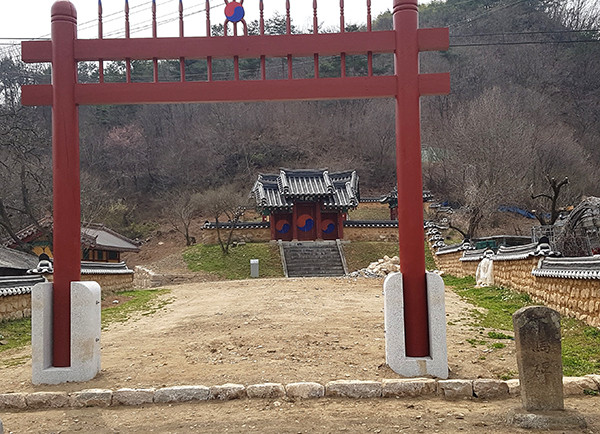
516 210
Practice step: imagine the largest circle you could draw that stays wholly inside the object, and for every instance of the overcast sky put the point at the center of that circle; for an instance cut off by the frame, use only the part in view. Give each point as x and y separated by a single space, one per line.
31 18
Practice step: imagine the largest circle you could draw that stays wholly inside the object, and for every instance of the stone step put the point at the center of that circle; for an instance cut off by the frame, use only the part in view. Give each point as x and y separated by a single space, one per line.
311 259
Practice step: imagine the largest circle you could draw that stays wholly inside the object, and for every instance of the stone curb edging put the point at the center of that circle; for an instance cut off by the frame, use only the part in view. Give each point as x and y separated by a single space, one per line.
484 389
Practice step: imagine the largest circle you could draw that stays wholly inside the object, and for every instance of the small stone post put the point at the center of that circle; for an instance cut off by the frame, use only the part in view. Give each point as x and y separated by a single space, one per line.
537 339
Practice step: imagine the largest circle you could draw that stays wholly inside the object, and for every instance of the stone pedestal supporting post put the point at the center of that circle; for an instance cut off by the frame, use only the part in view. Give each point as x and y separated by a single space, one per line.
436 364
85 334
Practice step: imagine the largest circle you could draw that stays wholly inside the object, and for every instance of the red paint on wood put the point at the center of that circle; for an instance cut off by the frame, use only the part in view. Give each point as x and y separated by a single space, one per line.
434 84
433 39
329 44
65 159
221 91
410 189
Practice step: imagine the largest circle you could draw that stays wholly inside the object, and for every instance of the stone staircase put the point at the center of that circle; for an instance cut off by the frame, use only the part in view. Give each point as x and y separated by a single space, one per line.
312 258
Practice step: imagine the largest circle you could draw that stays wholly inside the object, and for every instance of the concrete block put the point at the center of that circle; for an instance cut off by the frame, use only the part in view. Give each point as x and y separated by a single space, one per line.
490 389
47 400
305 390
127 396
353 389
455 389
85 334
266 390
92 398
228 391
514 387
12 400
182 394
395 349
408 387
577 385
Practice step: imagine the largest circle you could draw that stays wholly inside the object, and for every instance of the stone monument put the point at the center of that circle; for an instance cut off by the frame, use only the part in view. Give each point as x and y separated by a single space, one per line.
537 339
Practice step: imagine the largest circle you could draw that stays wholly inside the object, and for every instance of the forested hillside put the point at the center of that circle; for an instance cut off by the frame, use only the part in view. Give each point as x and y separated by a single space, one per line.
524 108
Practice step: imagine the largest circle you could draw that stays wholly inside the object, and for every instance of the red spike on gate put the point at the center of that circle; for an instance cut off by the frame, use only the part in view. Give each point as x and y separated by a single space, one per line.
288 25
316 31
261 8
127 30
154 19
181 19
154 35
208 34
181 35
100 36
263 59
369 29
288 19
342 30
315 18
127 36
207 8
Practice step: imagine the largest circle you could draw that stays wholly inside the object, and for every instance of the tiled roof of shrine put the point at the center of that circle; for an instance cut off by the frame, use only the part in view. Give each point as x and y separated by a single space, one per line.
337 190
93 235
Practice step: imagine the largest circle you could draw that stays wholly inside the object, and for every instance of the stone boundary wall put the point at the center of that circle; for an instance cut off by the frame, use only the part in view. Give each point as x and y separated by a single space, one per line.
516 274
15 307
108 282
483 389
371 234
575 298
450 263
469 268
260 235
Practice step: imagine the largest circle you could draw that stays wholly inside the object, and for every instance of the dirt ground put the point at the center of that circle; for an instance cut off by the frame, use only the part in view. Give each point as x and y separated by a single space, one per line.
274 417
272 330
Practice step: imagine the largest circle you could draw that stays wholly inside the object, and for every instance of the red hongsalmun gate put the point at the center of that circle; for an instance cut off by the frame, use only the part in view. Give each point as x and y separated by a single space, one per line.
66 94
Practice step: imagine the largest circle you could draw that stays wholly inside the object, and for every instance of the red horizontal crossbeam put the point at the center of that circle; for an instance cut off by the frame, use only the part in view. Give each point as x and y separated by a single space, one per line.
218 47
235 91
227 47
218 91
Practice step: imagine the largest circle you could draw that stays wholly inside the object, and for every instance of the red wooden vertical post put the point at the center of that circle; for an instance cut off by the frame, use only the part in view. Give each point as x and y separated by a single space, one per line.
272 226
65 159
318 221
295 222
410 184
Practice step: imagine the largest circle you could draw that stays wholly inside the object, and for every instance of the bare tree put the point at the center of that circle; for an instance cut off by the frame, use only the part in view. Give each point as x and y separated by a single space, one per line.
552 197
181 207
225 202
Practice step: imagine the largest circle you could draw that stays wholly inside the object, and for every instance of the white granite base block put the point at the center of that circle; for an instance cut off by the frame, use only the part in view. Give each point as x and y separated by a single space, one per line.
85 334
395 345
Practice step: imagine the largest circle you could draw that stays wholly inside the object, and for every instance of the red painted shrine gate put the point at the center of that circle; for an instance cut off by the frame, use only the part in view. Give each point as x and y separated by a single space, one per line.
65 94
306 205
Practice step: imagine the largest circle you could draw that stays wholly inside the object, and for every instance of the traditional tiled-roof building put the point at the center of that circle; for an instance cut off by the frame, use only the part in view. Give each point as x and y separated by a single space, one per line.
306 204
98 243
392 200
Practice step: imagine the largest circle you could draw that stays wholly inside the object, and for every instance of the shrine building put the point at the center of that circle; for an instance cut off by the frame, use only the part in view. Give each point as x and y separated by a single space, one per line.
305 204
